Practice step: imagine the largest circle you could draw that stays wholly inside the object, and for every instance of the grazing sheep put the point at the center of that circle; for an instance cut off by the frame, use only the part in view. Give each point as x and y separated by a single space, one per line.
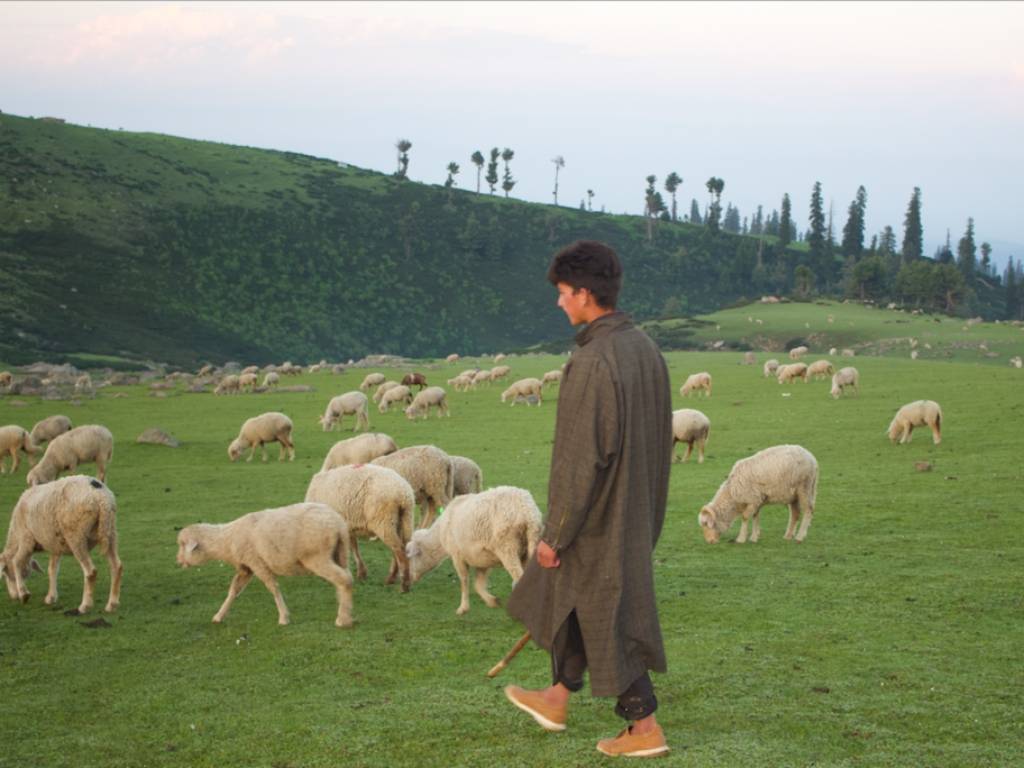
461 383
524 388
848 353
88 443
271 379
270 427
749 358
247 381
430 473
373 501
415 380
845 377
15 440
249 369
690 426
552 377
359 450
282 541
797 352
354 403
227 385
1017 361
49 428
83 385
820 369
499 372
499 357
782 474
382 388
452 358
426 399
500 526
770 367
787 373
469 478
372 380
6 379
696 382
206 370
69 516
917 414
481 377
398 394
471 372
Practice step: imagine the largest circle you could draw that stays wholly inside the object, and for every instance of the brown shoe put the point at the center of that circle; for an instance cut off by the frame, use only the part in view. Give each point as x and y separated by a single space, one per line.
629 744
549 718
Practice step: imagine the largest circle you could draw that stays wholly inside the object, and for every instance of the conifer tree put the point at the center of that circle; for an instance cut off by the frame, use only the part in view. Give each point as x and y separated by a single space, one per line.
492 169
695 212
967 253
507 182
816 231
853 232
785 222
913 233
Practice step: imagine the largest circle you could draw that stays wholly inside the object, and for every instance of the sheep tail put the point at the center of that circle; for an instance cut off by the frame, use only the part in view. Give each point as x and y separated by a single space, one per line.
340 553
405 522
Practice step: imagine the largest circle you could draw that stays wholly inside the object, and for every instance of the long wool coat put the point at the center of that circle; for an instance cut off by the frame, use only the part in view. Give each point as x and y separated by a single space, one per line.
606 504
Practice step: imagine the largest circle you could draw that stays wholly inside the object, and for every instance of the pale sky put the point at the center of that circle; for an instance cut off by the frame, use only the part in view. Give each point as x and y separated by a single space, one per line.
771 97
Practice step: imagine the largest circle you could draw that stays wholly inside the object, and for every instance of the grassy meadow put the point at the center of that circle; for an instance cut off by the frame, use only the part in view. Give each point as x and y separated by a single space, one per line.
891 637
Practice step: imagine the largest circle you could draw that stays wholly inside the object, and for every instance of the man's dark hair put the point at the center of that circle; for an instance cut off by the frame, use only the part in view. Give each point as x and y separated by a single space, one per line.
589 264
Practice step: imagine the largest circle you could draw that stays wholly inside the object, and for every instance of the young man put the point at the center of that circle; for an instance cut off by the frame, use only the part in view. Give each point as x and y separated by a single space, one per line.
588 597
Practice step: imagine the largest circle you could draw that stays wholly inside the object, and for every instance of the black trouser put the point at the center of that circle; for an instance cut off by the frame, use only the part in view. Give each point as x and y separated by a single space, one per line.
569 661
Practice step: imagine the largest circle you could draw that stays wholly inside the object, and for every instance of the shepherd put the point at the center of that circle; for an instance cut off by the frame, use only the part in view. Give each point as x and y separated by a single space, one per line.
588 595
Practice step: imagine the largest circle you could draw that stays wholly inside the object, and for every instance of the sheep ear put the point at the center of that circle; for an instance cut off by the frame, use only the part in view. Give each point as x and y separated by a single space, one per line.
707 517
191 547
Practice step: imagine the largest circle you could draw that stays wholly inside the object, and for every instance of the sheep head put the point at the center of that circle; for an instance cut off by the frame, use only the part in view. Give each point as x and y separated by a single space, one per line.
424 552
235 449
709 524
190 551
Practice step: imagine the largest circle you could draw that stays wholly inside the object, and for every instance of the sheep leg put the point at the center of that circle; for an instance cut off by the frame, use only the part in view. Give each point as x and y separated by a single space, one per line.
81 552
252 452
794 515
101 468
808 512
700 451
756 534
511 563
480 585
463 570
270 583
393 540
908 431
327 569
689 450
936 436
116 571
239 582
360 565
14 465
428 517
52 570
742 538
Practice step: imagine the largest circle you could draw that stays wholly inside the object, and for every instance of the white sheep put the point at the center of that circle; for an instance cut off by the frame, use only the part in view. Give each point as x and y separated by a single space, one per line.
843 378
524 388
820 369
351 403
69 516
499 372
552 377
848 353
397 394
469 478
81 445
249 369
6 379
206 370
461 383
797 352
782 474
373 501
431 397
500 526
690 426
372 380
499 357
430 473
247 381
787 373
271 379
15 440
282 541
257 432
749 358
83 385
382 388
452 358
48 428
696 382
917 414
481 377
227 385
360 449
770 367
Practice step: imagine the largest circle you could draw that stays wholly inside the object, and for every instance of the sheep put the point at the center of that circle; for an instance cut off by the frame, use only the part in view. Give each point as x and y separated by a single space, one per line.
281 541
382 388
71 515
415 380
249 369
271 379
499 372
552 377
452 358
820 369
690 426
227 385
770 367
88 443
354 403
359 450
373 501
833 352
247 382
845 377
787 373
425 400
270 427
371 380
461 383
500 526
83 385
782 474
917 414
499 357
206 370
399 394
1016 361
749 358
481 377
471 372
848 353
469 478
524 388
15 440
696 382
6 379
797 352
430 473
48 428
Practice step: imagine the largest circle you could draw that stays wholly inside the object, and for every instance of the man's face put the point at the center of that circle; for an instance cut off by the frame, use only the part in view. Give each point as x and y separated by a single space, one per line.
574 302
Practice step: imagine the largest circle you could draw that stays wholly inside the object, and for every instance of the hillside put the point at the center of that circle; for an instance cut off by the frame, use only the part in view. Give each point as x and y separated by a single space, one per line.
128 246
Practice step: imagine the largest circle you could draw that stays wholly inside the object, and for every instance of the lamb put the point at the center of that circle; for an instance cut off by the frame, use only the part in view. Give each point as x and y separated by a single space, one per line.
782 474
500 526
382 388
282 541
270 427
524 388
845 377
469 478
399 394
696 382
271 379
15 440
797 352
426 399
372 380
71 515
770 367
415 380
552 377
227 385
917 414
499 372
354 403
88 443
820 369
690 426
430 473
247 382
787 373
49 428
359 450
373 501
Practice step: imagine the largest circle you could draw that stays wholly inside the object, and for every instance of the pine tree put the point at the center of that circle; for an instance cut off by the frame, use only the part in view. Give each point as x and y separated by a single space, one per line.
853 232
887 242
816 232
695 212
944 253
967 253
913 233
785 222
1011 283
731 222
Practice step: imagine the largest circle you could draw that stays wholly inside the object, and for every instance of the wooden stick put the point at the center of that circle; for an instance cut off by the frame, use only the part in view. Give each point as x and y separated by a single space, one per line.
520 644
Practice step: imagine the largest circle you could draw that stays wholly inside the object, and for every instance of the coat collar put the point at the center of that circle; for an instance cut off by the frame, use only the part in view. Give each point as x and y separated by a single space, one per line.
602 326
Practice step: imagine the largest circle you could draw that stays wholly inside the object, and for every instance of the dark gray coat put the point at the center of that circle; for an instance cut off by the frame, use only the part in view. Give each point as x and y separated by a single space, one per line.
606 505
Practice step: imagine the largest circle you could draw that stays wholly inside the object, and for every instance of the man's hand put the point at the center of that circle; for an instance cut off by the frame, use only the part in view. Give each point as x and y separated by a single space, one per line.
546 556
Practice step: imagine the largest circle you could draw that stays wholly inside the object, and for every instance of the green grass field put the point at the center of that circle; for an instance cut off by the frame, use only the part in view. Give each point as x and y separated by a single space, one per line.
891 637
